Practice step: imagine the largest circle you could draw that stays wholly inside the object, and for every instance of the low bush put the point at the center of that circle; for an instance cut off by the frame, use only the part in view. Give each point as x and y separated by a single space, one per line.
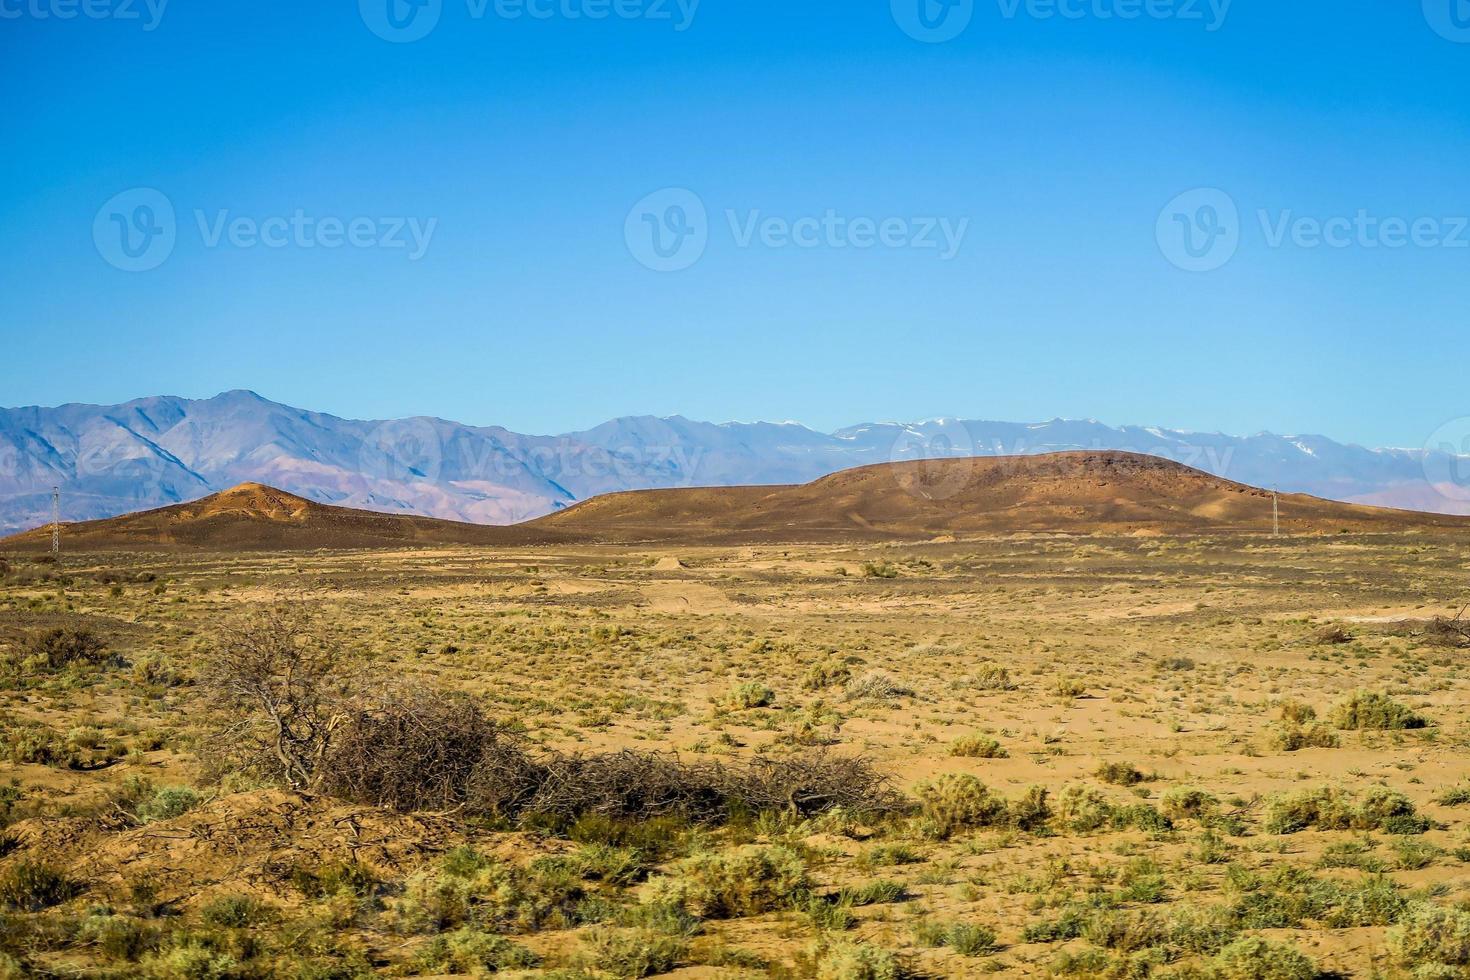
468 950
632 952
749 880
30 886
752 694
875 686
1371 711
1254 958
1120 773
957 801
857 961
1331 808
977 747
1431 935
64 646
1287 736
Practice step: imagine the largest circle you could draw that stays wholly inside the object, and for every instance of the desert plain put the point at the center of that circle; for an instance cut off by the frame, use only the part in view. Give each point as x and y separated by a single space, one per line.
1140 755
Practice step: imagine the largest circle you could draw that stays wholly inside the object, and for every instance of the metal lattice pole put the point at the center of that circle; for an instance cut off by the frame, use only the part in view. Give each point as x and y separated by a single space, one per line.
56 522
1275 515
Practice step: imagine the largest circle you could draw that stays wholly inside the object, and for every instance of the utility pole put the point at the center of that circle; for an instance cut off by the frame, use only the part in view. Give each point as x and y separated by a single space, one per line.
1275 515
56 522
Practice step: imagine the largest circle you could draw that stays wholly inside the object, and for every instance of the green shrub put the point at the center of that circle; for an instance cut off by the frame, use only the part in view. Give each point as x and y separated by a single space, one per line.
968 939
1253 958
992 677
632 952
1288 736
1082 808
749 880
30 886
58 648
977 747
468 950
1120 773
752 694
1331 808
1184 802
1430 934
1371 711
857 961
237 912
169 802
958 801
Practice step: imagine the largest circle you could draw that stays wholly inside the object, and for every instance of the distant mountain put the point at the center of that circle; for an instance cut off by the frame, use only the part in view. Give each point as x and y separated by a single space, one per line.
153 452
1073 492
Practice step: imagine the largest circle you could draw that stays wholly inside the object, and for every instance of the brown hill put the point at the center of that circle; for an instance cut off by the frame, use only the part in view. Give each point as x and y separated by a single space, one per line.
253 516
1072 492
1081 492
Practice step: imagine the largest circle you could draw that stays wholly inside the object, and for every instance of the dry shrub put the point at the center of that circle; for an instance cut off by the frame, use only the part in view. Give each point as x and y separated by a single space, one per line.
1331 808
992 677
631 785
1332 635
645 785
977 747
814 783
1371 711
1445 632
64 646
283 694
412 749
876 686
1289 736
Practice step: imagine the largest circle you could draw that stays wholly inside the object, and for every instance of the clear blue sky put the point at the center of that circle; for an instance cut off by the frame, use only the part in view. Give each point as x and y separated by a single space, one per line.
529 140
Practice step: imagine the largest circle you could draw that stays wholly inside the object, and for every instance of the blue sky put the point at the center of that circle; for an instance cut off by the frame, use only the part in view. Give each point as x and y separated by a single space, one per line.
522 145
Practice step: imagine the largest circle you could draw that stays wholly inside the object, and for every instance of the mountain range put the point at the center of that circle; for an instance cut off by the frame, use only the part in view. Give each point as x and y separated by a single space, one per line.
159 451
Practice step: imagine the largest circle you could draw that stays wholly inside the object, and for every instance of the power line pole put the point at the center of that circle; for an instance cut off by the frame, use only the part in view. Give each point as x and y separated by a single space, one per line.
1275 515
55 522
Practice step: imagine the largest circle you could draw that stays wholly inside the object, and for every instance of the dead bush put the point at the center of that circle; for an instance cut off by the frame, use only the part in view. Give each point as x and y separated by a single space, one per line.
815 783
411 749
65 646
282 694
